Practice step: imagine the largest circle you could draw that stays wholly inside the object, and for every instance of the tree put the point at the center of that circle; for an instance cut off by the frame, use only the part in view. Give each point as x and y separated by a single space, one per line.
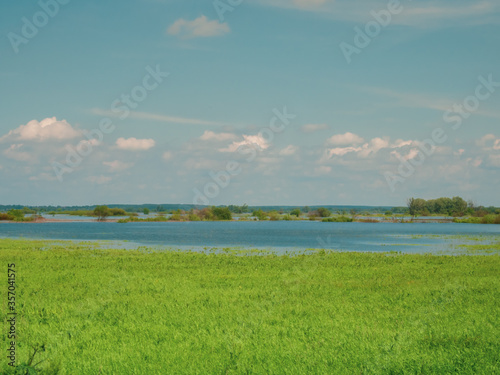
295 212
259 214
412 208
102 212
146 211
16 215
323 212
274 216
459 206
222 213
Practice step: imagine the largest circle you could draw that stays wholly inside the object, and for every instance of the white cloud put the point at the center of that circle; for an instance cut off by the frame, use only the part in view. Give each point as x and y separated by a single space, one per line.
250 140
289 150
212 136
400 143
47 129
345 139
341 151
117 166
201 27
489 142
134 144
13 152
368 149
310 128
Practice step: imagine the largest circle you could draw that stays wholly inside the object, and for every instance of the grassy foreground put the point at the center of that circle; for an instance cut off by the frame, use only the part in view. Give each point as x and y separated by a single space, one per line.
137 312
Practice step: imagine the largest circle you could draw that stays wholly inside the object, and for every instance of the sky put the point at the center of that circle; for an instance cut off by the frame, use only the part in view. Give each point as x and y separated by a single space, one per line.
298 102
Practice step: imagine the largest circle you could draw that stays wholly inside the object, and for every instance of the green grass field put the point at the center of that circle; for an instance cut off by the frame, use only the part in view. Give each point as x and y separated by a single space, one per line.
137 312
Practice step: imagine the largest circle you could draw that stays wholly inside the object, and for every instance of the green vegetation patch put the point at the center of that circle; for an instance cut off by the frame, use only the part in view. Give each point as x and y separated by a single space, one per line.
95 311
338 219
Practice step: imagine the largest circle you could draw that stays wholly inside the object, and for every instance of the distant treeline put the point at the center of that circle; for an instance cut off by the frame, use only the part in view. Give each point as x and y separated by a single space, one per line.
170 208
455 206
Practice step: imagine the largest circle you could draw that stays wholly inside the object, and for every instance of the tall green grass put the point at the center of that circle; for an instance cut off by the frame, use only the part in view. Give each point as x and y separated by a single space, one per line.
139 312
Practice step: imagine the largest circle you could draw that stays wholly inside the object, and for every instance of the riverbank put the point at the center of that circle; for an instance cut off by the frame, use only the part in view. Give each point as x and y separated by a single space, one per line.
115 311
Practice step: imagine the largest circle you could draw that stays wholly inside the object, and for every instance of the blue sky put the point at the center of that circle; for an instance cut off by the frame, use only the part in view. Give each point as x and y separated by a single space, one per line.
356 129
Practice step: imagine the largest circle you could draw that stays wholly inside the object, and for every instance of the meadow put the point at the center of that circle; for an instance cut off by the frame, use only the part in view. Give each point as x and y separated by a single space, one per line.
94 311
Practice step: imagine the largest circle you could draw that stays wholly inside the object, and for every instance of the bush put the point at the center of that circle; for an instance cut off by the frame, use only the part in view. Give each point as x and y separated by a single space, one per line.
206 214
4 216
323 212
259 214
194 217
274 216
17 215
338 219
176 217
222 213
117 212
487 219
102 212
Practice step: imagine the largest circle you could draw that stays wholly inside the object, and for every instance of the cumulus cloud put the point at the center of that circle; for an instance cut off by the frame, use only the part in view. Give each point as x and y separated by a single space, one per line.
487 140
134 144
13 152
248 140
367 149
117 165
311 128
212 136
345 139
47 129
201 27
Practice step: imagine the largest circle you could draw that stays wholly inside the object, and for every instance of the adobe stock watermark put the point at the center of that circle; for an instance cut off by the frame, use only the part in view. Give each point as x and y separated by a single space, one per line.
223 6
222 179
372 29
121 107
31 26
455 116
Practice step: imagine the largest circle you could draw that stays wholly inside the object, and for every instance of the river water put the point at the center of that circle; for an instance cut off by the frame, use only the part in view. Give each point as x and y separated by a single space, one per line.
278 236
